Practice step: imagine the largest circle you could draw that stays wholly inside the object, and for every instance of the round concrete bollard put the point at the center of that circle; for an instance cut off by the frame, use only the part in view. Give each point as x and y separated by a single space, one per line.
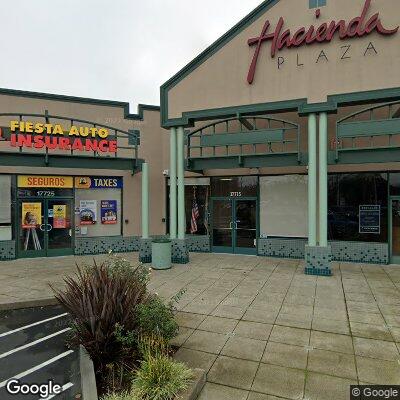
161 254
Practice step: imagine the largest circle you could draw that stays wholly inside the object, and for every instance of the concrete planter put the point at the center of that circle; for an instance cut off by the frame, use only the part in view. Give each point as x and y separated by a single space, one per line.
89 388
161 254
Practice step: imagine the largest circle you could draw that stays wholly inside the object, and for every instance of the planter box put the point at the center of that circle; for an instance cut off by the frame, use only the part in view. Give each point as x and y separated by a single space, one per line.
89 388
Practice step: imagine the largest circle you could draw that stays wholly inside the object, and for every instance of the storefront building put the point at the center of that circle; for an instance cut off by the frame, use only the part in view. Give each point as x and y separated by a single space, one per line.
281 139
284 136
71 175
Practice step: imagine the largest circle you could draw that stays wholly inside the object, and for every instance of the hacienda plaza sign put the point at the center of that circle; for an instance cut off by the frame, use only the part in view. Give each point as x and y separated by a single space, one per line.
358 27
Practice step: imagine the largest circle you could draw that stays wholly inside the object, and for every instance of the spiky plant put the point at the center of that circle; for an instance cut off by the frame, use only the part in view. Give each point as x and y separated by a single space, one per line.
98 301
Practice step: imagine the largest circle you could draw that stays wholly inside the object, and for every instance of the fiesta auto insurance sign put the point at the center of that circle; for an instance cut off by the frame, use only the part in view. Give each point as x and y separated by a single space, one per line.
36 135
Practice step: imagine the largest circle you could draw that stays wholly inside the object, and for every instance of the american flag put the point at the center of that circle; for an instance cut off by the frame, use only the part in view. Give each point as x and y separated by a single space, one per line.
195 216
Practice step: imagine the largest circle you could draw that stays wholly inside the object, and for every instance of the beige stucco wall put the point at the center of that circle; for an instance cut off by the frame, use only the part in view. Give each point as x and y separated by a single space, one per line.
153 139
221 81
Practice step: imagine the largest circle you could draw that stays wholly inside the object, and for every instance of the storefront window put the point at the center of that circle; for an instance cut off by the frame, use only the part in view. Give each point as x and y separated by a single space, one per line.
5 208
239 186
358 207
98 206
394 184
196 207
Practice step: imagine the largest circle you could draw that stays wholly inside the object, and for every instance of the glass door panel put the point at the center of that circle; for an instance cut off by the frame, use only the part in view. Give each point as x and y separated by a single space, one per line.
58 227
245 226
31 228
396 229
222 224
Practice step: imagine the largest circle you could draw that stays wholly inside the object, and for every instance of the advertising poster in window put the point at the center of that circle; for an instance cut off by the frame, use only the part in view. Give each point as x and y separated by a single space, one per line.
59 216
88 212
109 212
370 219
31 215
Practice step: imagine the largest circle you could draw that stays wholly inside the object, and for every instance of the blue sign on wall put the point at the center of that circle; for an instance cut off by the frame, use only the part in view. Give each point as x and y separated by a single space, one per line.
370 219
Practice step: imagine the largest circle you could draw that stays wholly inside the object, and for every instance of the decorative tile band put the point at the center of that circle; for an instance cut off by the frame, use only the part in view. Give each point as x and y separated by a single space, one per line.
180 251
7 250
198 244
365 252
102 245
318 260
281 247
145 251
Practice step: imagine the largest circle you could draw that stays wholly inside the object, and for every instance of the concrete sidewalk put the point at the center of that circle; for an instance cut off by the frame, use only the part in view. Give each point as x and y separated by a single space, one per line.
261 328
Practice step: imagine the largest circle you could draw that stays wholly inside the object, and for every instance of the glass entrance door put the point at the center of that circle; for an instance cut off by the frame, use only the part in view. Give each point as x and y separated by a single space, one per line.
395 230
234 226
59 228
45 227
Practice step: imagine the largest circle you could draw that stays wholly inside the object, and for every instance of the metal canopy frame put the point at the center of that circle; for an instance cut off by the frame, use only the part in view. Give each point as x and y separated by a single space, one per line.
244 142
357 133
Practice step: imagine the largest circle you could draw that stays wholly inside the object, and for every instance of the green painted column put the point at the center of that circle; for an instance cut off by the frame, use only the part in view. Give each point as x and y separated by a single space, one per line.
181 182
145 201
312 180
172 187
323 179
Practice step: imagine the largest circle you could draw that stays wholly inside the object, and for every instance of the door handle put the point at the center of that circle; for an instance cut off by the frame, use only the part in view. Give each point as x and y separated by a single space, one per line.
230 225
51 227
41 227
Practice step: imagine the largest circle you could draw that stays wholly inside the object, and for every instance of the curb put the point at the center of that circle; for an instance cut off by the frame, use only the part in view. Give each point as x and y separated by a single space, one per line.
50 301
193 391
88 378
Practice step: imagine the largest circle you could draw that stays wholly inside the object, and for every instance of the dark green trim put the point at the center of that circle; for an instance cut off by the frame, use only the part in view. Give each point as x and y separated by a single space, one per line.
205 55
365 156
250 161
84 100
64 161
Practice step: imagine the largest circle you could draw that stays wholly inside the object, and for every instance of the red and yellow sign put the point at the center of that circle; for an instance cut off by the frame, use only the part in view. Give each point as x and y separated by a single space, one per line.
39 135
31 215
59 216
37 181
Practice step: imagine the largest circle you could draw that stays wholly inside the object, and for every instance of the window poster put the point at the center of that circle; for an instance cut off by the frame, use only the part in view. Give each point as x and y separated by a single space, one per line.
31 215
88 212
109 212
370 219
59 216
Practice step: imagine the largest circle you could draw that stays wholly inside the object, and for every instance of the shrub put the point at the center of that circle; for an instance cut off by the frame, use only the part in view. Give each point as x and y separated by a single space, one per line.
160 378
99 299
118 396
157 318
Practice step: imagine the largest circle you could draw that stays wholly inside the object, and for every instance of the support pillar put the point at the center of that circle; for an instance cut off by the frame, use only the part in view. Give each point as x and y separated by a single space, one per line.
312 180
172 187
180 252
145 243
318 258
181 183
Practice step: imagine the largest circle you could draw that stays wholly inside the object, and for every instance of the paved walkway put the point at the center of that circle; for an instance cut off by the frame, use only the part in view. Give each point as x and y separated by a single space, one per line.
260 327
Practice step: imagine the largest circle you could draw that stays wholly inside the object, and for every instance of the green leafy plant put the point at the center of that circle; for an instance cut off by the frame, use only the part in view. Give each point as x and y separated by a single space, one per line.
160 378
157 318
99 299
118 396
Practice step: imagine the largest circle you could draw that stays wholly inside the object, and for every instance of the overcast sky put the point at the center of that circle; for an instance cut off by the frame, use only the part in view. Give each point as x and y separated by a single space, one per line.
108 49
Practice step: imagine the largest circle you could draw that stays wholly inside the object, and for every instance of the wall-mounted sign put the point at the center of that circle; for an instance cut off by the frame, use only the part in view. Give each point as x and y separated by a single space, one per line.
109 212
88 212
324 33
37 181
39 135
98 182
236 194
31 214
59 216
370 219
